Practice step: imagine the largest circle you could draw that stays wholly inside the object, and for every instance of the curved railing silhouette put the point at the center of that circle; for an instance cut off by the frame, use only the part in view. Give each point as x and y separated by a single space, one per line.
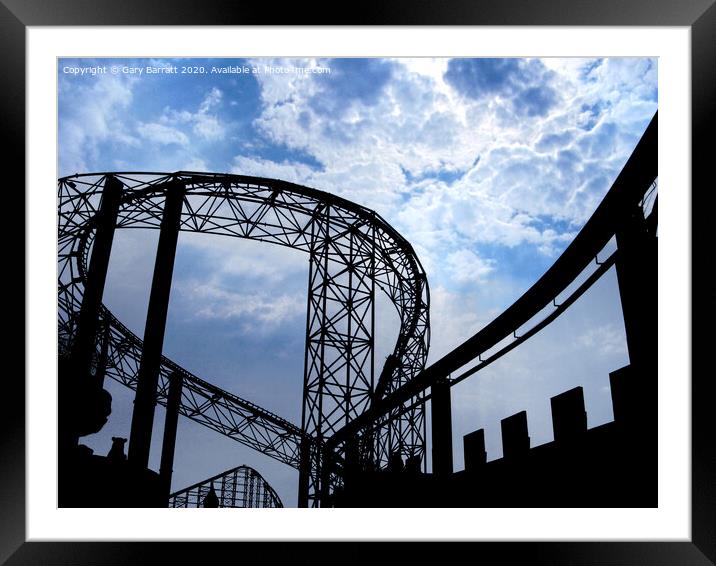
242 487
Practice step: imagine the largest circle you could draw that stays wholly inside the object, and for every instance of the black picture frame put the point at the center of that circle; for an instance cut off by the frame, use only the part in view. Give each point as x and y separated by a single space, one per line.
17 15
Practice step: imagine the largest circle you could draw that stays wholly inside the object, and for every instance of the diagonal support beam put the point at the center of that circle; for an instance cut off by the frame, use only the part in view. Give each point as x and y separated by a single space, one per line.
146 399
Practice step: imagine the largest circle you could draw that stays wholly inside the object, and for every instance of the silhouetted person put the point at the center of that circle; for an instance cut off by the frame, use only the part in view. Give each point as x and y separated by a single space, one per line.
116 453
211 500
395 464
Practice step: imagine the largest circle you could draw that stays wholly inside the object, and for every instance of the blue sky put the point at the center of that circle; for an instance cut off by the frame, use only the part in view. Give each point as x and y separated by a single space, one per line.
489 167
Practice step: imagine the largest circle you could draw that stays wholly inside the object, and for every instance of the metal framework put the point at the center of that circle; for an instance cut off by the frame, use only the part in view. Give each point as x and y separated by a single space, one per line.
351 250
239 487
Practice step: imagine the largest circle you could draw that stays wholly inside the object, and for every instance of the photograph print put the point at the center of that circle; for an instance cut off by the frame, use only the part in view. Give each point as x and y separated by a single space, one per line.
357 282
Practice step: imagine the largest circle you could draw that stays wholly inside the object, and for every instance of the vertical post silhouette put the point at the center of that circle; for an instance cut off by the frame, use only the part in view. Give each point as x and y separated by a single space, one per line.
515 436
442 428
636 268
569 419
145 399
105 223
170 431
474 448
304 472
627 395
637 277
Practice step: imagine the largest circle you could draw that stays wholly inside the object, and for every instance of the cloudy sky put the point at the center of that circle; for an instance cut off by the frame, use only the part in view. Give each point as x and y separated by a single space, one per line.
489 167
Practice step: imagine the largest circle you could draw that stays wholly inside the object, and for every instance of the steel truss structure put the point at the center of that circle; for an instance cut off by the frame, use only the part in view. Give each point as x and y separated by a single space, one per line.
239 487
351 251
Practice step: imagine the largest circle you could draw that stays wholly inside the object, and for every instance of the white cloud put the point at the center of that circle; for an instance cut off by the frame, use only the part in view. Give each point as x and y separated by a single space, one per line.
93 114
286 171
606 339
454 317
162 134
205 124
195 163
419 127
208 127
467 267
211 100
255 312
228 256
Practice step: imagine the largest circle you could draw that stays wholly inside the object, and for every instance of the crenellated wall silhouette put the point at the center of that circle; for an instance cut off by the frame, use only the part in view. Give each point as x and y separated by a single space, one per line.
611 465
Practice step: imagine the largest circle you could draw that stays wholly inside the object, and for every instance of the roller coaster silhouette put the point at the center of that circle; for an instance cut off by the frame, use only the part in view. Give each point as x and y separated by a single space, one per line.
362 439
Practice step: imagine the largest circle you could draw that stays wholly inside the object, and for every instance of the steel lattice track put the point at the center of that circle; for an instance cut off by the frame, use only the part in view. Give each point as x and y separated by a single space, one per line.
239 487
346 244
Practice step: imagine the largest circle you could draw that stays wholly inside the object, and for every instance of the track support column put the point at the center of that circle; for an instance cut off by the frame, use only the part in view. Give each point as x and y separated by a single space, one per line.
304 472
637 278
636 268
146 397
170 431
442 428
105 222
